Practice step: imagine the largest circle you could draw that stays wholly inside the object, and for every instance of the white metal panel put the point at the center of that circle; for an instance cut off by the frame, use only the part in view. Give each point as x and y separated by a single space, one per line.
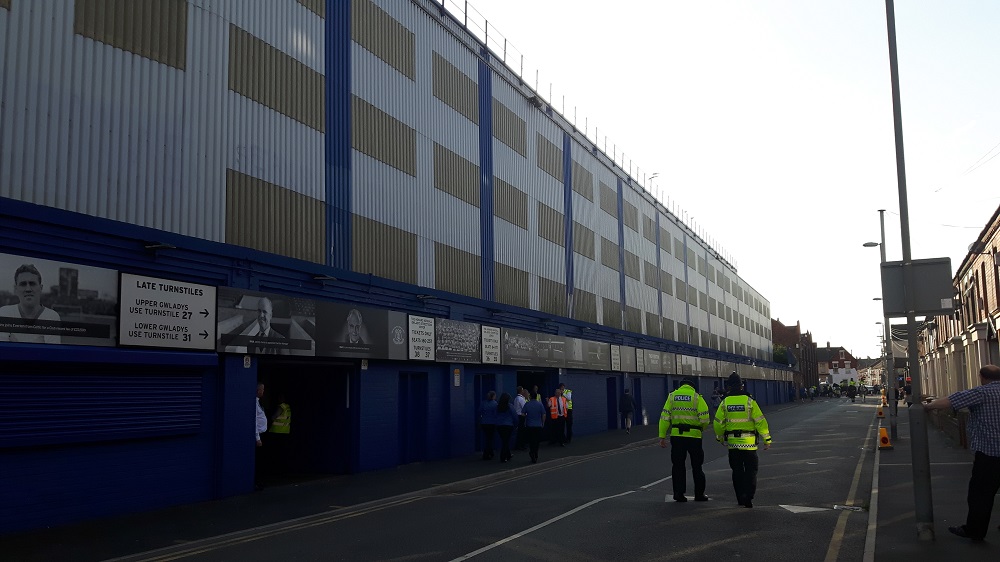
98 130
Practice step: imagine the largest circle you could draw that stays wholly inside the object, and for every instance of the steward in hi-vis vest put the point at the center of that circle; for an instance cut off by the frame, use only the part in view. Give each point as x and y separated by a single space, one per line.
685 415
740 425
568 395
282 422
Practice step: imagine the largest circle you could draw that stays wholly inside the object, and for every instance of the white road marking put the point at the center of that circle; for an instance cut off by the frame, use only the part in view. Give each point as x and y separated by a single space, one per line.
803 508
539 526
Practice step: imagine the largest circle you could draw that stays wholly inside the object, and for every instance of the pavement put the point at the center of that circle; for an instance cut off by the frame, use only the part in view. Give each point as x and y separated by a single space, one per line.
892 530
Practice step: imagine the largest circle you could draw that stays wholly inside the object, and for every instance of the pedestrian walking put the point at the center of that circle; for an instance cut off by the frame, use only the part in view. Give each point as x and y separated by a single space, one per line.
983 403
520 399
685 415
534 421
741 426
506 421
488 423
626 405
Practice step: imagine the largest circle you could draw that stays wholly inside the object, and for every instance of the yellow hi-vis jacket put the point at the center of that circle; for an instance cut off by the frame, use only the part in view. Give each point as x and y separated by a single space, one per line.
685 414
282 422
739 423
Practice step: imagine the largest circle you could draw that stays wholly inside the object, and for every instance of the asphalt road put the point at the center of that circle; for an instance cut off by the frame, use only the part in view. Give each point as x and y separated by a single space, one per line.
615 505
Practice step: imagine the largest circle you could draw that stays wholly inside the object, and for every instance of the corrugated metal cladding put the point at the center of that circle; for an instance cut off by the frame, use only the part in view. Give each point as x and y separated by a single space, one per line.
430 134
270 218
129 113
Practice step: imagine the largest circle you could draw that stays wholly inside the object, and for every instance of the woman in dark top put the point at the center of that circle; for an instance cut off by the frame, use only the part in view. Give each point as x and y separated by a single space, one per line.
506 420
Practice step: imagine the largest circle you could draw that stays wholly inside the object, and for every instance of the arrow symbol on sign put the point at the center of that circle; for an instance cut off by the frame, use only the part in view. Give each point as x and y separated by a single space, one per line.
204 334
204 313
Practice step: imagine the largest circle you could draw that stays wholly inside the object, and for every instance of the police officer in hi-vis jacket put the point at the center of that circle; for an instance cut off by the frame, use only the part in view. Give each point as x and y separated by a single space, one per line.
740 425
685 415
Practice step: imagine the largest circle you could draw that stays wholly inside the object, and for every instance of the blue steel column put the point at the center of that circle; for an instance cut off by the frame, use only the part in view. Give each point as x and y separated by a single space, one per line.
486 234
568 222
621 255
338 133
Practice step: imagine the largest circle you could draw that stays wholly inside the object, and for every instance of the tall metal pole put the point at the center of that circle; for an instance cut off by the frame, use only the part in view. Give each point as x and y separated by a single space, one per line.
923 504
890 374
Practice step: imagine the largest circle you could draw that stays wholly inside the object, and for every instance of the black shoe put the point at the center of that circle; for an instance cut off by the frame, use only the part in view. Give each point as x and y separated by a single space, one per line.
960 531
627 431
680 499
534 460
258 487
748 503
701 498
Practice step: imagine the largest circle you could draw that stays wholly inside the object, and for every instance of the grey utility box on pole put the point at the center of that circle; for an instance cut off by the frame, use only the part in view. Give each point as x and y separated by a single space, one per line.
933 291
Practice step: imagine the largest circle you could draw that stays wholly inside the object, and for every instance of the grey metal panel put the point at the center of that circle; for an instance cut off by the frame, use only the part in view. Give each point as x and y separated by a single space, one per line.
630 216
455 89
609 254
549 157
383 137
383 250
510 203
384 36
612 312
583 181
653 324
550 225
264 74
609 200
650 274
585 306
551 296
633 266
583 240
633 320
457 271
456 175
511 285
157 30
317 7
509 128
270 218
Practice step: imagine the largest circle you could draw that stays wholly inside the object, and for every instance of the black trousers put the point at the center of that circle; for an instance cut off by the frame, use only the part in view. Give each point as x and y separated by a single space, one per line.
680 449
505 431
983 488
744 464
534 436
521 434
569 425
488 430
558 428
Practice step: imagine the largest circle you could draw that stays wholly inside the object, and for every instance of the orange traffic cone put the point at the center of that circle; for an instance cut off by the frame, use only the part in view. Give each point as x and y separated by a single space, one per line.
883 439
880 413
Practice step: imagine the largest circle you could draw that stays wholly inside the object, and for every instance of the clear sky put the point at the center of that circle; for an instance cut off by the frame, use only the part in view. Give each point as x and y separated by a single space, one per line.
769 122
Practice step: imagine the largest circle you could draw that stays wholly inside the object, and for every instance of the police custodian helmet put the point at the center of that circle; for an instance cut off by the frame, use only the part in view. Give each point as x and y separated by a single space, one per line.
734 381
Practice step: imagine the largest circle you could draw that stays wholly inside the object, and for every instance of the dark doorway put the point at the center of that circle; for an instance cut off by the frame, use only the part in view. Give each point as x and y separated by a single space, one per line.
612 392
640 412
481 385
319 440
529 379
412 417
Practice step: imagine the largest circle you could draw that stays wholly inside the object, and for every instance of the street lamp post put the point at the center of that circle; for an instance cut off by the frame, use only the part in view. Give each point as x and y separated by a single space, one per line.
893 408
919 452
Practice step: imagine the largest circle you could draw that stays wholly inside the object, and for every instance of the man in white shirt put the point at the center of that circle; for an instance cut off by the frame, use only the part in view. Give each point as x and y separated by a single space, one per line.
519 402
261 428
28 288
